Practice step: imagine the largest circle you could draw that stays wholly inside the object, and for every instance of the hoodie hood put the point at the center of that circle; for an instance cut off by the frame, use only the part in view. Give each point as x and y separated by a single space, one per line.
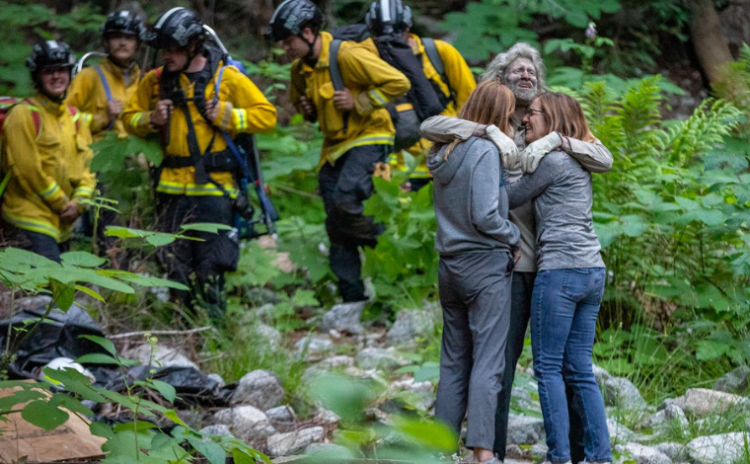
443 171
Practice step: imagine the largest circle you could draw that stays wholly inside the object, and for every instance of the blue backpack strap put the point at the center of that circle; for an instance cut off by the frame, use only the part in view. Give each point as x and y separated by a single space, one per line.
108 92
333 65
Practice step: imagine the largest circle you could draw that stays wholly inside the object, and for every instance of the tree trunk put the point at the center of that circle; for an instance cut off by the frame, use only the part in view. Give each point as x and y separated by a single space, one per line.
708 39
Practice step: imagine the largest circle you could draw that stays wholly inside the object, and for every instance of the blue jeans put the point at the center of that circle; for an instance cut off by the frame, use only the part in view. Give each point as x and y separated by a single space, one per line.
564 308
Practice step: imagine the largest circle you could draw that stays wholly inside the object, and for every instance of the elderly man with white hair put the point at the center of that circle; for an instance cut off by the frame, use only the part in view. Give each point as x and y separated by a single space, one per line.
521 69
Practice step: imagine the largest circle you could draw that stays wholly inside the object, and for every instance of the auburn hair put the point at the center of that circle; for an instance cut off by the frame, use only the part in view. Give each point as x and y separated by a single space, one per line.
491 102
563 114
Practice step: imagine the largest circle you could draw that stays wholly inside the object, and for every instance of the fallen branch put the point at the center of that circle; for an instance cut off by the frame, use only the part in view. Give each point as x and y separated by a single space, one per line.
162 332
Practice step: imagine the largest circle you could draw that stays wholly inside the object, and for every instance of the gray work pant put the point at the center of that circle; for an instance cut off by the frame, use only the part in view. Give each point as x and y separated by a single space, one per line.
475 296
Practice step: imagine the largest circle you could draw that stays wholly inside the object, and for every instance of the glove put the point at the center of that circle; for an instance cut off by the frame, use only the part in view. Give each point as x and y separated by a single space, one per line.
533 154
506 145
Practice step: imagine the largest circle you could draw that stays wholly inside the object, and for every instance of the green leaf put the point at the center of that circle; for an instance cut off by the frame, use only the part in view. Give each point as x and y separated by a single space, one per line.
709 350
434 435
160 240
70 403
82 259
74 382
208 448
429 371
90 293
64 295
97 358
103 342
22 396
172 415
166 390
205 227
100 429
44 415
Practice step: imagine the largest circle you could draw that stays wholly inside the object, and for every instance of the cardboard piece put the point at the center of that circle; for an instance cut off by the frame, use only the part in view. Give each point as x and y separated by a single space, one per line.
72 440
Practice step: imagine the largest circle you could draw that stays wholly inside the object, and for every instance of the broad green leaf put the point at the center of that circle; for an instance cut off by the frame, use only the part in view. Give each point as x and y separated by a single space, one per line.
172 415
103 342
709 350
97 358
160 240
82 259
44 415
22 396
72 404
63 295
166 390
100 429
429 371
206 227
434 435
74 382
208 448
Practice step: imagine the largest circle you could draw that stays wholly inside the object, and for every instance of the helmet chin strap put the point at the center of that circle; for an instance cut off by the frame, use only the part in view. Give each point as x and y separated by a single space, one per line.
310 48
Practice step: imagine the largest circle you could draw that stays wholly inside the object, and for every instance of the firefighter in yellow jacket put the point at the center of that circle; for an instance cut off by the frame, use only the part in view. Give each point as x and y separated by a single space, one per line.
46 152
454 81
196 179
101 93
358 131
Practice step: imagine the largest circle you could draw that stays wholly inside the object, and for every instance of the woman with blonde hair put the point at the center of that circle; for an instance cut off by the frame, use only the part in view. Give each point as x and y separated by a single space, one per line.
475 241
570 282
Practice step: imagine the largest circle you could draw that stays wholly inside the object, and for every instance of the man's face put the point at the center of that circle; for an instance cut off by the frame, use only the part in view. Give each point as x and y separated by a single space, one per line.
521 80
122 47
175 58
55 80
295 47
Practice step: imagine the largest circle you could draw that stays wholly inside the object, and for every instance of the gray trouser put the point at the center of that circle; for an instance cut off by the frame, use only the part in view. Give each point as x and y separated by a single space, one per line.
475 296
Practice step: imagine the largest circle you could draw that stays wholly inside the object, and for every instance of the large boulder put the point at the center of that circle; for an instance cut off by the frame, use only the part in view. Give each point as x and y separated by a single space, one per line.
737 381
283 444
677 452
620 392
643 454
718 449
246 422
379 358
260 388
702 402
344 318
524 430
410 324
162 355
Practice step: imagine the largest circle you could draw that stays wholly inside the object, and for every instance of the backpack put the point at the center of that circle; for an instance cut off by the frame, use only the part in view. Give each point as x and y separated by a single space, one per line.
245 163
6 105
423 100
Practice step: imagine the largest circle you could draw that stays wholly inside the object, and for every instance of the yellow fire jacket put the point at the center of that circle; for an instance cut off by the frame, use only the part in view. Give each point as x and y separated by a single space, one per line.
461 82
242 109
373 83
47 168
87 93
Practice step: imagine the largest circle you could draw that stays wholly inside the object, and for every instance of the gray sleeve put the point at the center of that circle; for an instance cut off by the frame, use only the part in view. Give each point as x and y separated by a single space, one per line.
532 185
445 129
594 157
485 195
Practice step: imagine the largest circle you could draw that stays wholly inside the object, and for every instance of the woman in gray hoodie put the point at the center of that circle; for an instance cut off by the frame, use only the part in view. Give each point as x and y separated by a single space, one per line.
475 241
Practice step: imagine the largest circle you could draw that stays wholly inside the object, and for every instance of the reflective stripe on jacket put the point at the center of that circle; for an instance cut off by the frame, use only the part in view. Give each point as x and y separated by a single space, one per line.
242 108
47 169
87 93
372 82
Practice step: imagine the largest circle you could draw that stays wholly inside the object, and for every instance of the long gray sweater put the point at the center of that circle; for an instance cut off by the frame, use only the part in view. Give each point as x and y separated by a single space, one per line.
470 205
562 194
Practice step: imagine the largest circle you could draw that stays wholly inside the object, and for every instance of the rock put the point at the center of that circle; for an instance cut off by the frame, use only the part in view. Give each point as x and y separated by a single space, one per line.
246 422
314 345
283 444
335 362
281 414
163 356
524 430
618 433
265 311
677 452
702 402
326 417
671 412
538 452
218 430
717 449
601 375
344 318
268 333
378 358
737 381
218 379
525 400
410 324
259 388
620 392
643 454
